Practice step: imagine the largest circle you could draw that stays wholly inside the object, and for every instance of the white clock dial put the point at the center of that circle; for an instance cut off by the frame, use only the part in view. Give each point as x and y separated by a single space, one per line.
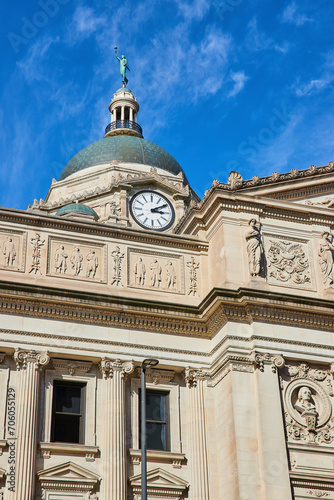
152 210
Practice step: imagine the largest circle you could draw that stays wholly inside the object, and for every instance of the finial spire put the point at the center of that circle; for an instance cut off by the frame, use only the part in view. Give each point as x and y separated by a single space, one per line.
123 66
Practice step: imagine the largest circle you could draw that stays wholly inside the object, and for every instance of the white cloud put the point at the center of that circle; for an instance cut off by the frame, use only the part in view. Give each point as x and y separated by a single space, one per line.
239 79
292 15
84 24
313 86
194 10
257 40
33 66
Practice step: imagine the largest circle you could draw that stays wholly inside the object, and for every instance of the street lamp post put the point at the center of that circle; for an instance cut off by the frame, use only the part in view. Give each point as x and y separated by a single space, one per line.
147 363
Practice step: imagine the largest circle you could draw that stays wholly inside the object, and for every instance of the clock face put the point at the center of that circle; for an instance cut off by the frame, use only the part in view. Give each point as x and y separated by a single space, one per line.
152 210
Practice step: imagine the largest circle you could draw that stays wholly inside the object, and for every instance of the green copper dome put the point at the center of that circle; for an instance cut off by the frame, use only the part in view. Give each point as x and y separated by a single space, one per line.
124 149
77 208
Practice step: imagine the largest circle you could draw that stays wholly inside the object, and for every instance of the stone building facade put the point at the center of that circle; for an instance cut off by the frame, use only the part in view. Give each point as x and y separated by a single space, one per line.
233 294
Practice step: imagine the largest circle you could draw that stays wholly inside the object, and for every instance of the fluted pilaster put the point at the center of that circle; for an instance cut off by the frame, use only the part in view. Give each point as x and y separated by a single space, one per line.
199 480
29 364
114 450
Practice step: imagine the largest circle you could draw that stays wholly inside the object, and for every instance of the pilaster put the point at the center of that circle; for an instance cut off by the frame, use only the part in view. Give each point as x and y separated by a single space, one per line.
114 450
198 461
29 365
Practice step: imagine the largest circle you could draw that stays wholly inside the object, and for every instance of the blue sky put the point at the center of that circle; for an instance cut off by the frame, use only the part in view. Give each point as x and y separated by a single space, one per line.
223 85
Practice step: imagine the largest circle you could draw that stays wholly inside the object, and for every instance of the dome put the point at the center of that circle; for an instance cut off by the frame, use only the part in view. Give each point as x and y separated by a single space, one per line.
77 209
124 149
123 89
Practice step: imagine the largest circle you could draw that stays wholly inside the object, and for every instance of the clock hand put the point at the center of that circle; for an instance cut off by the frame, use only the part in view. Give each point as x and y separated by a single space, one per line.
157 209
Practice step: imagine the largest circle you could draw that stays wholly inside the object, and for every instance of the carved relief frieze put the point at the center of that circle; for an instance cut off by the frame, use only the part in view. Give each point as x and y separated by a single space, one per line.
307 399
156 271
289 262
13 248
74 259
118 257
36 258
193 266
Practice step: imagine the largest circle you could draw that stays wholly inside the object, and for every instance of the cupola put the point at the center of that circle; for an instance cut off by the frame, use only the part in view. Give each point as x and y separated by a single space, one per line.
123 112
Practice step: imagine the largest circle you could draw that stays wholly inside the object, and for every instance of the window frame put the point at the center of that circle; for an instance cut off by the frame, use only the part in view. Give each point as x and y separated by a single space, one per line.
81 415
89 419
165 422
173 419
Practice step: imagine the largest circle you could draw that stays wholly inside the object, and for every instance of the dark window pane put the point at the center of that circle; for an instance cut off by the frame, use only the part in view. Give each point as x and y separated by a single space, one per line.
67 428
156 436
155 406
66 412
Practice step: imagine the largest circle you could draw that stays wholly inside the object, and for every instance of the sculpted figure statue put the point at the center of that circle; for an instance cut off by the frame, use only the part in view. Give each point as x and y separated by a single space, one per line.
76 261
61 260
9 252
140 271
326 261
93 264
123 66
254 248
156 271
170 274
305 401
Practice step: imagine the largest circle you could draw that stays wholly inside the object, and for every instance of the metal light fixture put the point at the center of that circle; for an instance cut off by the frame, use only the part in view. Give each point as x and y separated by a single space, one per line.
147 363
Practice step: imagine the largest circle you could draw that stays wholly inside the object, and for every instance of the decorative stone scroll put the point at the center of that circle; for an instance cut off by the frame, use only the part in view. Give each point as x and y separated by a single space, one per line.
307 399
193 278
13 248
118 256
37 244
288 262
156 271
69 258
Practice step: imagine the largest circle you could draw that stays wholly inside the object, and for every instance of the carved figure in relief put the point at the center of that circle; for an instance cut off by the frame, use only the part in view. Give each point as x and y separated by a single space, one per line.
93 264
76 261
156 271
36 254
140 271
61 260
254 248
9 252
170 275
304 401
326 260
193 266
118 256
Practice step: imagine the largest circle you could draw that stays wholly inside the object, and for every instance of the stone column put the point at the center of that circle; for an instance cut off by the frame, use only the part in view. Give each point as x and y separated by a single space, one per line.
198 459
122 113
114 478
29 364
131 115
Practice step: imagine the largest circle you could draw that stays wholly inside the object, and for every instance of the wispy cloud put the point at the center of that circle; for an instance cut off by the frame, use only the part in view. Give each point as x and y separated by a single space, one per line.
194 10
85 22
292 14
257 40
239 79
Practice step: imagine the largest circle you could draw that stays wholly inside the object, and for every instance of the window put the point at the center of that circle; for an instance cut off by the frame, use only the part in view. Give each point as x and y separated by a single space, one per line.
67 412
156 420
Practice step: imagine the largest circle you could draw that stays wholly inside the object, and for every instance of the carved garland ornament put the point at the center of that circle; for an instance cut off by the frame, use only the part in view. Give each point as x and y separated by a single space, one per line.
287 262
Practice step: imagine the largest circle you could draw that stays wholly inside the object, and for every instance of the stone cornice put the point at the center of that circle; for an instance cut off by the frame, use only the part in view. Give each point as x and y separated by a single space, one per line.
221 305
200 215
40 221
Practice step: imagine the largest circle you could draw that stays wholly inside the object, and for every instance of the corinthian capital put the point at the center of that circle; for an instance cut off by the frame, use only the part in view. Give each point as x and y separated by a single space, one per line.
22 358
193 375
109 366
